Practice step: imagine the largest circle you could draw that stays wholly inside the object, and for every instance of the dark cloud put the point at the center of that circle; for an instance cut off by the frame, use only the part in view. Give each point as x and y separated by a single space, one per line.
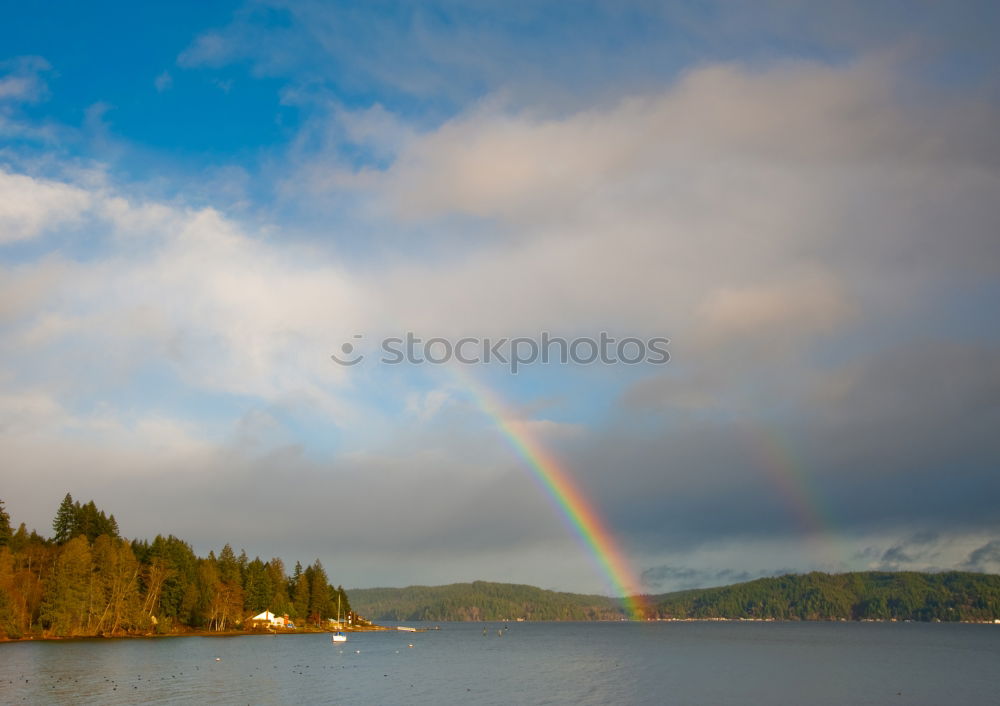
924 538
675 578
910 552
439 495
895 556
905 442
985 558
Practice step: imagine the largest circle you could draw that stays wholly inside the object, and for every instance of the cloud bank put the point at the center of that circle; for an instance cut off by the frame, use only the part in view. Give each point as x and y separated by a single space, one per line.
816 235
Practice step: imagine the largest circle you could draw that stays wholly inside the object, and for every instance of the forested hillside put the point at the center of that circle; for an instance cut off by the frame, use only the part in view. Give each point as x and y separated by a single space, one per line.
481 600
869 595
853 596
87 580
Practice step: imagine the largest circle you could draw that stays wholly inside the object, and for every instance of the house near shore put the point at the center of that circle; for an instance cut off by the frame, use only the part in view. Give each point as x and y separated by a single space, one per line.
267 619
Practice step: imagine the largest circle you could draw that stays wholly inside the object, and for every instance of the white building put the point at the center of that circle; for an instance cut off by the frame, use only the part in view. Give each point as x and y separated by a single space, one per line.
269 618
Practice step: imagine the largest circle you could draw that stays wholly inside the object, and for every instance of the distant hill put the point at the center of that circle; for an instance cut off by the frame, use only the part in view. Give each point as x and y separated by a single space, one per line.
870 595
480 600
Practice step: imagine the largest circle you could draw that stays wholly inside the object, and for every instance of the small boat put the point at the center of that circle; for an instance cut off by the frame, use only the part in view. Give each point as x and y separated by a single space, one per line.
403 628
339 636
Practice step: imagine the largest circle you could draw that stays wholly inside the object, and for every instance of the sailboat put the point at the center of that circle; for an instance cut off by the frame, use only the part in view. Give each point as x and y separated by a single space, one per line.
339 636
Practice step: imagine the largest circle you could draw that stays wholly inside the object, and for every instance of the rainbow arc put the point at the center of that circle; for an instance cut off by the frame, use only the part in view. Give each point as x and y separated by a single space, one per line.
579 513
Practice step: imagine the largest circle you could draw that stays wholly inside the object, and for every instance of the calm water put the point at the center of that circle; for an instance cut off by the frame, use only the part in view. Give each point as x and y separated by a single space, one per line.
532 663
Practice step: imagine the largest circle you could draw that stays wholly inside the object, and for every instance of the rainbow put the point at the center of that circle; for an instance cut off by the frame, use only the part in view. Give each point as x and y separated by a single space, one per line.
792 480
579 513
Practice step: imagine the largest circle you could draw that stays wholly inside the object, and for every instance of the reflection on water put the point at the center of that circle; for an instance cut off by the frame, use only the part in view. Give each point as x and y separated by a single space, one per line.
578 663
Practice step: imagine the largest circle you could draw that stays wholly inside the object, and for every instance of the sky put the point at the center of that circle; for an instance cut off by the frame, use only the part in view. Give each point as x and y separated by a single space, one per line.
201 203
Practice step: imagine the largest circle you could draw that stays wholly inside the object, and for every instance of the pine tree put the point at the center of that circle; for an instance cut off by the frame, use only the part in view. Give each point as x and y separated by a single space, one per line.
300 595
20 539
229 596
5 530
319 593
65 523
229 568
257 589
279 601
88 521
90 581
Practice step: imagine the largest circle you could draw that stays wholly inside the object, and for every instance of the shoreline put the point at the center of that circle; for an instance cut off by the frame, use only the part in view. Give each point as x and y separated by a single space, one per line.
383 628
191 633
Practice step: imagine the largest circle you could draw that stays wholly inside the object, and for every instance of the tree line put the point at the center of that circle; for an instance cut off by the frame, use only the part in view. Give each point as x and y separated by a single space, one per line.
482 601
861 595
88 580
868 595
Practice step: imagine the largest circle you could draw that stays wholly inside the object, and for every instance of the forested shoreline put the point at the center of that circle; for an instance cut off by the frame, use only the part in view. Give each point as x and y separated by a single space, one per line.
482 600
866 595
87 580
861 595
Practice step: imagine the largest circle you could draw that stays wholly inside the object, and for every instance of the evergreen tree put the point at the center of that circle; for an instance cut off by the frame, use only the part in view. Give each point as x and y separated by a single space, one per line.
5 531
229 568
179 594
92 522
257 589
300 595
319 593
20 539
64 524
91 582
87 520
228 605
279 601
242 562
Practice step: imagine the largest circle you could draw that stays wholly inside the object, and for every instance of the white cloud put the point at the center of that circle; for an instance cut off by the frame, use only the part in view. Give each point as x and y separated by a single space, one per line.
426 405
16 87
730 205
29 206
713 210
774 198
781 206
799 308
209 49
715 119
21 81
224 310
163 82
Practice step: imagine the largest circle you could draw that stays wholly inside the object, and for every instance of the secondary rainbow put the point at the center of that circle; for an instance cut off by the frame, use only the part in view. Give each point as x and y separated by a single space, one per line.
791 478
577 510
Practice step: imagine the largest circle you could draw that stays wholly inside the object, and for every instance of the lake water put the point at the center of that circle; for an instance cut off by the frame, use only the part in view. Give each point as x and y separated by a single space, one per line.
531 663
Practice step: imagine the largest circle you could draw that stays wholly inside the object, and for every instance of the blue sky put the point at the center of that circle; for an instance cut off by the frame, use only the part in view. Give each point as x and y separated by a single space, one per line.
198 205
